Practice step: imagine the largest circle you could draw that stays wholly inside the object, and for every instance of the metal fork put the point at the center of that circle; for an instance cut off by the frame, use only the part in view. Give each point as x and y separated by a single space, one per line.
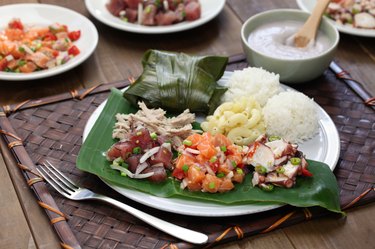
70 190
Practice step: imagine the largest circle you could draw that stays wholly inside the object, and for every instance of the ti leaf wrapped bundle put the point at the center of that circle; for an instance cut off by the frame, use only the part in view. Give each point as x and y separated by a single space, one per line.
177 81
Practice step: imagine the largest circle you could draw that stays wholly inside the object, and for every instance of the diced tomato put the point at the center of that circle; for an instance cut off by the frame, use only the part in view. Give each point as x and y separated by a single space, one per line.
179 173
215 166
3 64
73 50
306 172
49 37
74 35
15 24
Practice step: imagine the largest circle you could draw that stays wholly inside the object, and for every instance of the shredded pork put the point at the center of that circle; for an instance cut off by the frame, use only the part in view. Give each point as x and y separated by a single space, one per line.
174 129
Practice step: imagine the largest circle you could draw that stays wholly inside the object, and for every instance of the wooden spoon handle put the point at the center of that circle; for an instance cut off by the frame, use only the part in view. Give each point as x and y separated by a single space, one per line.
309 29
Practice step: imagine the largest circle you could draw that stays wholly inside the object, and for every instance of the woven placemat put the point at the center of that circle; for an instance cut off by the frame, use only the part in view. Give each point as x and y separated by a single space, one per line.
51 129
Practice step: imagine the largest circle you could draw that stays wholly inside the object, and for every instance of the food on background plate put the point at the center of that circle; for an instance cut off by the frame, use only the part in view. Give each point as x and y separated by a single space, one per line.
241 120
354 13
26 49
252 81
155 12
291 115
177 81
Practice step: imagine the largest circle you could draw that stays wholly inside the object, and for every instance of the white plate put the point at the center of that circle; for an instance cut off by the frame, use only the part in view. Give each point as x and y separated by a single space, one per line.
97 8
324 147
44 15
308 5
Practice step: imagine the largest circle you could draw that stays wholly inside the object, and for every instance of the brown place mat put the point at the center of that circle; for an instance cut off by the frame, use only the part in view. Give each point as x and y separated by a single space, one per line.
51 129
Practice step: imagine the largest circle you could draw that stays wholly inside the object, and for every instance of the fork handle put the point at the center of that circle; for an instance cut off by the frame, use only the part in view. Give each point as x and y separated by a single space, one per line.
169 228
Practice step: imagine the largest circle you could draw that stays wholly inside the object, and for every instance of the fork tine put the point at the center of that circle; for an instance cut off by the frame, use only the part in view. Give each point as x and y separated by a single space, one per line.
55 184
61 176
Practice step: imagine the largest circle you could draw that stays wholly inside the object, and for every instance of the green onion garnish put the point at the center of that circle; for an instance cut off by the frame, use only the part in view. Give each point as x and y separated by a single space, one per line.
153 136
211 185
223 148
185 168
266 187
213 159
123 174
260 169
273 138
187 142
295 161
239 171
280 170
220 174
136 150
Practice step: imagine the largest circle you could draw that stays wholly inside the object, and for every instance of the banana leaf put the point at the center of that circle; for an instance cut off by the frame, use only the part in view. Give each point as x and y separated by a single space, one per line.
177 81
319 190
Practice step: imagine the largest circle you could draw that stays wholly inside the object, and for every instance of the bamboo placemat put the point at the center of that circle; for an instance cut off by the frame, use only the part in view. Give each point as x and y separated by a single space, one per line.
51 129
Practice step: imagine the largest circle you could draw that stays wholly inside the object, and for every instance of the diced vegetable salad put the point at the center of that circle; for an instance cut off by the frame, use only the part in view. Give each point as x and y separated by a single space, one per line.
26 49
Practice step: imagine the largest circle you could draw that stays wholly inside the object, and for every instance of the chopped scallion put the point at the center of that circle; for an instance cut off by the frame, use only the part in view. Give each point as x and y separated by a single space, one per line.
211 185
185 168
213 159
295 161
187 142
154 136
136 150
260 169
223 148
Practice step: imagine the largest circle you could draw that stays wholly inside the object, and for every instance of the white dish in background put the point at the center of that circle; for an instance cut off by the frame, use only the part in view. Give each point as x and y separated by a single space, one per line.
308 5
324 147
44 15
209 8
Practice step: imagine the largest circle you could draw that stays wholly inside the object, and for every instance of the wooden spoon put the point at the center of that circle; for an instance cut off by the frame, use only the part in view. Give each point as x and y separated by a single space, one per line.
308 31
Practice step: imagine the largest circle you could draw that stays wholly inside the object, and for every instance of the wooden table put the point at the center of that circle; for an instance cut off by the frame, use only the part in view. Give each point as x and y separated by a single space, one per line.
117 57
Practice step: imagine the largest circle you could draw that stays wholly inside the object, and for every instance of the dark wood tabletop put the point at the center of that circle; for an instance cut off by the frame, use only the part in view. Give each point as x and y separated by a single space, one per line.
118 57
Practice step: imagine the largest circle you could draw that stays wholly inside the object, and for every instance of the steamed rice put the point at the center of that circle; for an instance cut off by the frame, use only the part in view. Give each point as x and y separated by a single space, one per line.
291 115
253 81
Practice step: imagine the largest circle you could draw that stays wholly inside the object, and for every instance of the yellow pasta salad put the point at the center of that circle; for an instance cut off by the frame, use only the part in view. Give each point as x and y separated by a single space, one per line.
240 120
